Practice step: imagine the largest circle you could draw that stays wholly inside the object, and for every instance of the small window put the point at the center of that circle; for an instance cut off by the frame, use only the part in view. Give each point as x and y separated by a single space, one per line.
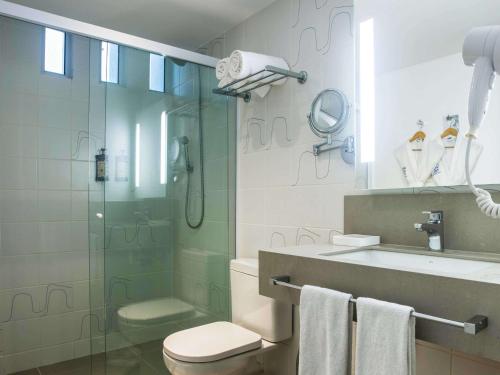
55 51
109 62
156 72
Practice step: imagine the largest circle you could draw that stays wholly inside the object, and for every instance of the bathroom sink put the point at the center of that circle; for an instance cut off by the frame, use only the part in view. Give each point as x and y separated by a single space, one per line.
417 262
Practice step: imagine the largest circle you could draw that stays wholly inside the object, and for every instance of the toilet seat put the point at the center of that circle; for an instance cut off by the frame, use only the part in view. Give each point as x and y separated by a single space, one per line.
211 342
155 311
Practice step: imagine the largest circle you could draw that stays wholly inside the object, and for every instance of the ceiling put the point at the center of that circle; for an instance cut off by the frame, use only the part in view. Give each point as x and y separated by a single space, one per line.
182 23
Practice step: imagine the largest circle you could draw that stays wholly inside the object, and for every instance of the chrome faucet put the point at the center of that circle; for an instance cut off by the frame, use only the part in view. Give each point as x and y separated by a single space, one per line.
434 227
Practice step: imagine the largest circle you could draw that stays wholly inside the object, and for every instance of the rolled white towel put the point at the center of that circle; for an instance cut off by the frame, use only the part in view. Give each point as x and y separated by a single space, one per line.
222 72
225 81
222 68
243 63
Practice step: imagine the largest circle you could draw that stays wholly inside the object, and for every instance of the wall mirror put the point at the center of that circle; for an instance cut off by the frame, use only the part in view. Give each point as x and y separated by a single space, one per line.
412 90
328 117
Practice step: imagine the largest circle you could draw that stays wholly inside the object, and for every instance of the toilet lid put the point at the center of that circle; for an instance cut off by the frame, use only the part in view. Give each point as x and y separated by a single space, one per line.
155 311
211 342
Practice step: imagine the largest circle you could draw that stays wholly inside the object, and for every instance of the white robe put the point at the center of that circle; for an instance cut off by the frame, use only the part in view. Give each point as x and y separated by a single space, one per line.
451 168
417 166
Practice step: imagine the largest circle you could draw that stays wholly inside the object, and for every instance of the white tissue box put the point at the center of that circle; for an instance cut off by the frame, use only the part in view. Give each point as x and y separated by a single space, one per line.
357 240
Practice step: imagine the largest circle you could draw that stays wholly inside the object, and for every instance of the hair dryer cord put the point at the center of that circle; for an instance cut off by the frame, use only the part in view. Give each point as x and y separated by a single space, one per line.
483 197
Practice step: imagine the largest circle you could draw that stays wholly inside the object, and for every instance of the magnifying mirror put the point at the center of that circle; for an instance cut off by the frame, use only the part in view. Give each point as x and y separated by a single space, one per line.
328 117
329 113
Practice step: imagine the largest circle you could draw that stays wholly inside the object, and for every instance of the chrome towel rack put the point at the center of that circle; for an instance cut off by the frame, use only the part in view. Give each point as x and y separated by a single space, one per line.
472 326
242 88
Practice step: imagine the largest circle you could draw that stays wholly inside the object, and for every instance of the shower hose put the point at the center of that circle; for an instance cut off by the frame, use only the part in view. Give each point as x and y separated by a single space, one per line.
199 222
483 197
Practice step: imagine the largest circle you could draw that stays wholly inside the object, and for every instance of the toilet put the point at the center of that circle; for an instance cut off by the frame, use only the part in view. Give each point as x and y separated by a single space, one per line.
231 348
153 319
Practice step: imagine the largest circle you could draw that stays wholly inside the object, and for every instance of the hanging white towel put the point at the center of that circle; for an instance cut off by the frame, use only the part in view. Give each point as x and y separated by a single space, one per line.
385 338
450 170
243 63
417 166
325 326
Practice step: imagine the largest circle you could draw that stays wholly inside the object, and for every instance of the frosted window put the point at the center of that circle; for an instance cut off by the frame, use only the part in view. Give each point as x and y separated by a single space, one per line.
55 51
156 72
109 62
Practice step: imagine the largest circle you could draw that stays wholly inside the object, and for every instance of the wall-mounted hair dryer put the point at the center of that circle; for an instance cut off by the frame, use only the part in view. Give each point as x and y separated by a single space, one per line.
481 50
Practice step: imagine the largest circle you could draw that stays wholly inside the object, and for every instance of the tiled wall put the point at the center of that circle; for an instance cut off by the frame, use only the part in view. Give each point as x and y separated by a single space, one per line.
286 196
44 262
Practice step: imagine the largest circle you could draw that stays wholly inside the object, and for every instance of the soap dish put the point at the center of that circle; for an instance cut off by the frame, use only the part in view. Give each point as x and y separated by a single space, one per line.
357 240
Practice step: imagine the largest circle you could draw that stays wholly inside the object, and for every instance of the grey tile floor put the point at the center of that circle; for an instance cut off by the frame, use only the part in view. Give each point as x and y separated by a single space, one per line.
143 359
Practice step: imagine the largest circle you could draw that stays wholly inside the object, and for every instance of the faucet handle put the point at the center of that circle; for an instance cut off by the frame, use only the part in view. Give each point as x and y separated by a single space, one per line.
434 216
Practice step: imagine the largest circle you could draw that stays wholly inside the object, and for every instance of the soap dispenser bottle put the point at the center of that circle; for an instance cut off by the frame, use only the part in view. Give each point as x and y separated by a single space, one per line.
100 165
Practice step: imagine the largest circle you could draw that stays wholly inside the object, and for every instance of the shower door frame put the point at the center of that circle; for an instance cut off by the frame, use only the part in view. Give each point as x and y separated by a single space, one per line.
73 26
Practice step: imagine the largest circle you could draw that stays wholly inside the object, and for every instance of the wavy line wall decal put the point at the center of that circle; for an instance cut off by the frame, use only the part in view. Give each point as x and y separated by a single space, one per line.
50 289
318 176
317 4
263 129
325 48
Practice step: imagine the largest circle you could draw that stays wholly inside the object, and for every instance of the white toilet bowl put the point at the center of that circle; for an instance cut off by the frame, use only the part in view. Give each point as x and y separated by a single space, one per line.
225 348
220 348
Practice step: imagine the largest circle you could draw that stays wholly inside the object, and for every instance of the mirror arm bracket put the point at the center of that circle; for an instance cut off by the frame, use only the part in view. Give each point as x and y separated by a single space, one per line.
347 148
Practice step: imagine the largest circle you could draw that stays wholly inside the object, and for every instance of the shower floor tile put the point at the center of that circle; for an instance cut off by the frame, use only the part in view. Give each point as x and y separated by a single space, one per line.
143 359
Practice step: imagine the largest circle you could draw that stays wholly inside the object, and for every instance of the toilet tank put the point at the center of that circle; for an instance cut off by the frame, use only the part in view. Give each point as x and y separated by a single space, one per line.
263 315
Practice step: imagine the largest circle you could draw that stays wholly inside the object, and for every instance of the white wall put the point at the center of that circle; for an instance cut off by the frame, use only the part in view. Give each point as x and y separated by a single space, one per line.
44 259
286 196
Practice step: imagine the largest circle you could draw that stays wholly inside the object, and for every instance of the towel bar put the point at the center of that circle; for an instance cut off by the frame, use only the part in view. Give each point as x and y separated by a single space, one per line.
242 87
472 326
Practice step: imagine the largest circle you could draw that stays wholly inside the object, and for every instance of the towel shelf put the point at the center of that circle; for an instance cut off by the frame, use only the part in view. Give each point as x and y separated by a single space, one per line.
242 87
472 326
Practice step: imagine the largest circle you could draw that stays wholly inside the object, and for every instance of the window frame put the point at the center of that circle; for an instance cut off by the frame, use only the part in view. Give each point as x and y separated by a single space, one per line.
164 74
67 56
118 63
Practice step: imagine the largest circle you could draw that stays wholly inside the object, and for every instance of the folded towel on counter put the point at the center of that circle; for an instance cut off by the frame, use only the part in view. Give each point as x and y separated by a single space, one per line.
385 338
243 64
325 332
222 72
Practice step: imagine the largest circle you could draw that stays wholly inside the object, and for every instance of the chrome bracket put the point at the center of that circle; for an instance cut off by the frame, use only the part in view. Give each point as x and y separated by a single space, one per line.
475 324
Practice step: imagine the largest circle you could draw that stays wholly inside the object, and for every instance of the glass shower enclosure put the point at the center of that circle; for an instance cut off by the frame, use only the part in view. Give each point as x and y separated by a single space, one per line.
117 204
162 221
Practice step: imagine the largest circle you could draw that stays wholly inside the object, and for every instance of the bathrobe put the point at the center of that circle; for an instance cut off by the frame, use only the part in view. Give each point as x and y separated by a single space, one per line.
450 170
417 166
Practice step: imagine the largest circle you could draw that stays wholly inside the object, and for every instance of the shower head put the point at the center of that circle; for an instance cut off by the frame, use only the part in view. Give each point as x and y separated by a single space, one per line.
184 140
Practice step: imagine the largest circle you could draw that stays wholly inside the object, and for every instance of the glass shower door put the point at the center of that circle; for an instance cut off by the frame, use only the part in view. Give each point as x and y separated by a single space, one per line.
163 218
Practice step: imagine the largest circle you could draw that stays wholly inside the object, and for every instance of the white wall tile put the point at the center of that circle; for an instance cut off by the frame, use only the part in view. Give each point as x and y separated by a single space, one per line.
55 236
18 109
79 236
20 141
54 205
22 335
79 205
19 238
18 205
19 271
54 174
63 267
18 173
54 143
54 112
79 175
